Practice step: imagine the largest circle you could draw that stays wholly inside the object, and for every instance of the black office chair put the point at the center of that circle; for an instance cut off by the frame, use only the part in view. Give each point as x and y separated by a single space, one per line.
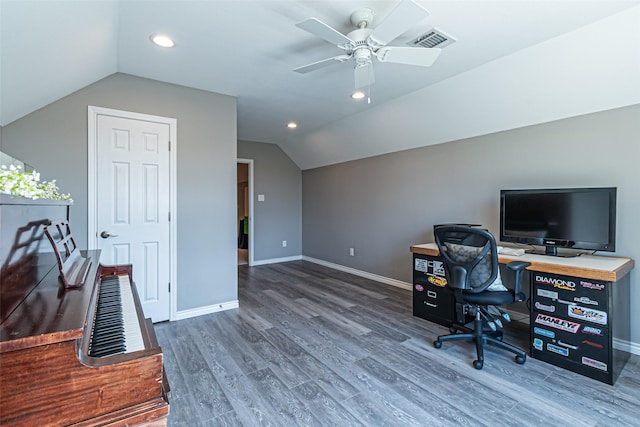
471 262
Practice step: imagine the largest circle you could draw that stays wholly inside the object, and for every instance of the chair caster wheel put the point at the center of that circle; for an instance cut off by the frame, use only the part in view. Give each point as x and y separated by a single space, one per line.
452 330
521 359
437 344
478 364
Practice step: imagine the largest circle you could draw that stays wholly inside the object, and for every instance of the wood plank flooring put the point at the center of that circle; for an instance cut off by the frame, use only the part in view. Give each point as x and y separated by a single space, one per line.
312 346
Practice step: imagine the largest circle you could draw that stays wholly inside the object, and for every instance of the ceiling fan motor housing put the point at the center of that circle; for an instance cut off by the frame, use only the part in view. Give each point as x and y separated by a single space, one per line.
360 36
362 18
362 51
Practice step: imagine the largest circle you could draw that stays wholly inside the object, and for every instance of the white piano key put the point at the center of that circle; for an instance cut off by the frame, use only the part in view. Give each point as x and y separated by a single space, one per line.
132 334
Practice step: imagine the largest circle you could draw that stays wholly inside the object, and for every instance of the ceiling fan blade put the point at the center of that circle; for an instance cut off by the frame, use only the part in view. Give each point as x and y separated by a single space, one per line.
321 64
422 57
403 17
325 32
363 75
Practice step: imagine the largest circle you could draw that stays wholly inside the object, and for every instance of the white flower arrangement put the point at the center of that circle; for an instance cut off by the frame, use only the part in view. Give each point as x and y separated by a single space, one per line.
27 184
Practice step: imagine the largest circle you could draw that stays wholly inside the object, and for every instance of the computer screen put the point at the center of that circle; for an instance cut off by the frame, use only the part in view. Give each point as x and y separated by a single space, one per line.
577 218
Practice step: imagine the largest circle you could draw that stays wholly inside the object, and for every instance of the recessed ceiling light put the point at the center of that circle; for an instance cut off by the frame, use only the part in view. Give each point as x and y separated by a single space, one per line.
292 125
162 40
357 94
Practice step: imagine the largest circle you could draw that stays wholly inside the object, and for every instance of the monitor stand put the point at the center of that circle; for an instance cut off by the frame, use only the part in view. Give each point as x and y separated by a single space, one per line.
551 251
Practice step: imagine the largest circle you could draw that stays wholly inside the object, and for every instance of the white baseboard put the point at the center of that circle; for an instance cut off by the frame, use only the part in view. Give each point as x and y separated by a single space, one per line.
382 279
276 260
628 346
185 314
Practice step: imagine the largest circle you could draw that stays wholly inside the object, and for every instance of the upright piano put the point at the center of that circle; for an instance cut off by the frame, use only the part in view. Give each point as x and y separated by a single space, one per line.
82 355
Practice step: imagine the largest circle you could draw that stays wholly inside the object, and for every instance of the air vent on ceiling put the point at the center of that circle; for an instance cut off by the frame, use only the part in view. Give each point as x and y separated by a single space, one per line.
432 38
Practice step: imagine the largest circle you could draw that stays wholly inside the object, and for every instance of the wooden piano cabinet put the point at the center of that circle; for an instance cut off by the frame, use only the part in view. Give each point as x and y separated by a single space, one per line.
47 377
47 385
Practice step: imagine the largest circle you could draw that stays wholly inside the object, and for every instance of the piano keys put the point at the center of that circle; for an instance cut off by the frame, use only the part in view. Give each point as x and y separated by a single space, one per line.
50 375
115 328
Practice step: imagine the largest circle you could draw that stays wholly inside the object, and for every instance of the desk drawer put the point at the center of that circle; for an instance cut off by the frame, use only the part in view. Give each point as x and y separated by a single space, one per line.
586 351
568 338
431 299
432 302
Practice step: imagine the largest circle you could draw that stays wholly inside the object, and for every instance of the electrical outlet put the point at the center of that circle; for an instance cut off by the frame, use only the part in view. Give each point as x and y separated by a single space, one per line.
284 243
352 252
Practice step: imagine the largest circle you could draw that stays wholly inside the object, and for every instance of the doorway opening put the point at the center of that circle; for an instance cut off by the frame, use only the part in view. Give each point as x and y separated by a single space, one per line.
245 211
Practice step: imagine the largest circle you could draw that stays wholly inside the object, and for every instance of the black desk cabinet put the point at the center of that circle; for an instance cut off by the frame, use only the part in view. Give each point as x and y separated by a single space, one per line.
431 299
574 322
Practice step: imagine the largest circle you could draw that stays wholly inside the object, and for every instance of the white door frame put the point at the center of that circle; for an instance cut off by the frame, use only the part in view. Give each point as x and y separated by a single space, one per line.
92 201
249 163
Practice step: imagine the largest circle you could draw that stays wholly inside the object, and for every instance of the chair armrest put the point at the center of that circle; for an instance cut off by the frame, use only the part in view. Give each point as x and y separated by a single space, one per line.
518 268
518 265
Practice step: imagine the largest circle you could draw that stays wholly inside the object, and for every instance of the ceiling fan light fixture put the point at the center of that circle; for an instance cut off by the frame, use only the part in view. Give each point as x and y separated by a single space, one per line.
162 40
292 125
358 95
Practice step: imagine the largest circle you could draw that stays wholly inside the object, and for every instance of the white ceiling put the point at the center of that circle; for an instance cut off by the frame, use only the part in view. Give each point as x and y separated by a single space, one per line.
247 49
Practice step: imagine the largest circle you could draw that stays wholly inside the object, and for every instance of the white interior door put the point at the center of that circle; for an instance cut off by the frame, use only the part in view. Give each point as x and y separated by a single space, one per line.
133 202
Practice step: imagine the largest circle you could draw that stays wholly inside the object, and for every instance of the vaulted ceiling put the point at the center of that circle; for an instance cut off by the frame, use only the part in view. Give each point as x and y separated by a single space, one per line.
248 49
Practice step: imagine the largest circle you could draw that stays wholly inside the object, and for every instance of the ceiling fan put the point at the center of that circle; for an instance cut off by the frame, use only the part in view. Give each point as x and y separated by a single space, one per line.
364 43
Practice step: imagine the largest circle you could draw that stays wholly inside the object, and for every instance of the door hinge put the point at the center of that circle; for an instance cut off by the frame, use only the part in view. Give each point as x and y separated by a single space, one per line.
169 145
169 286
169 216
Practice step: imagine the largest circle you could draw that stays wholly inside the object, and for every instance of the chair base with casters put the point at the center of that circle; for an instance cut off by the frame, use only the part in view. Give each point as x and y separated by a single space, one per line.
481 334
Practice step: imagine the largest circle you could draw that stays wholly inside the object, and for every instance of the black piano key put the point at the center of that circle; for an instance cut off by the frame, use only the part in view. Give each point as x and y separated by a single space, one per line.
108 331
109 315
108 342
107 328
113 344
108 351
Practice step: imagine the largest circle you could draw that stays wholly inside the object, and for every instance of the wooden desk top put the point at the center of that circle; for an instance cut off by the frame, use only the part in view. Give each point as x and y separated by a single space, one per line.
607 268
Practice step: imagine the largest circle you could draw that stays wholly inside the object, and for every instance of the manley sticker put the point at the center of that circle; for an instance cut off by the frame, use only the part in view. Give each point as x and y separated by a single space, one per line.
554 322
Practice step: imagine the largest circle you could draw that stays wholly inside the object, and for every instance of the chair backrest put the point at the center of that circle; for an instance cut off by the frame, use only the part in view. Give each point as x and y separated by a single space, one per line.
470 256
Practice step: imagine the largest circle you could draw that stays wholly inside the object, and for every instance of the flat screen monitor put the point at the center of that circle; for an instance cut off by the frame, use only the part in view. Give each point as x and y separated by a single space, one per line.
576 218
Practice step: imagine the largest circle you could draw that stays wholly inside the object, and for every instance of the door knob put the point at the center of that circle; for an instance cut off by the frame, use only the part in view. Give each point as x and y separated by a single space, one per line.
105 235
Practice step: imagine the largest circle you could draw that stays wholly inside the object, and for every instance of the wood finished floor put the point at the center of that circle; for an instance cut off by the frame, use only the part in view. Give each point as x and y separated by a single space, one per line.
314 346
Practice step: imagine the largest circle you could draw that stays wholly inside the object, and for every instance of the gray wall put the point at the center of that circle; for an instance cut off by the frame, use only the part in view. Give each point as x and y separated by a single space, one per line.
54 141
381 205
279 217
